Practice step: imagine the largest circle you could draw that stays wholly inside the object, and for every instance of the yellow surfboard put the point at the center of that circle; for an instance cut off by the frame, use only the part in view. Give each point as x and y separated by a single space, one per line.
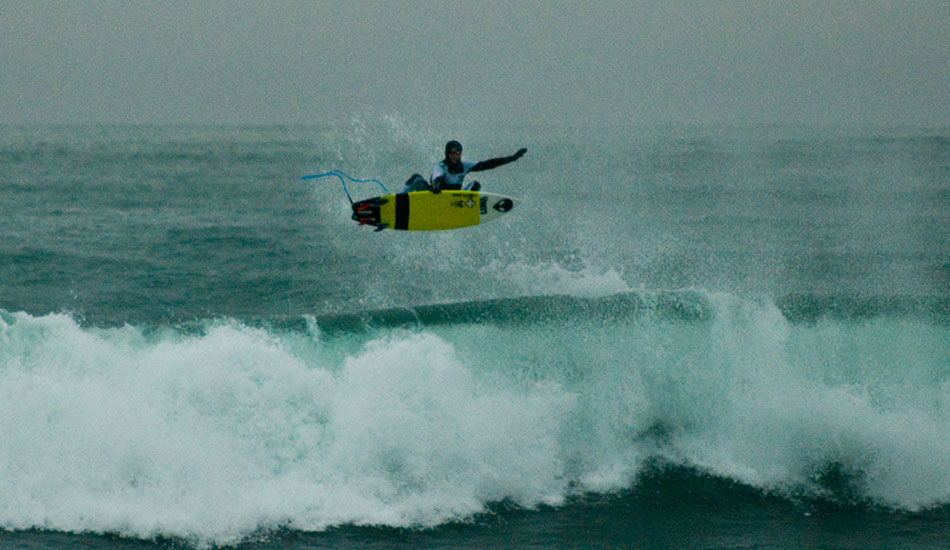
427 211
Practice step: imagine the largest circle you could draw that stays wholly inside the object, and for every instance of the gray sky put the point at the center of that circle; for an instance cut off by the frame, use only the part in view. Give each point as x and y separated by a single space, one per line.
530 61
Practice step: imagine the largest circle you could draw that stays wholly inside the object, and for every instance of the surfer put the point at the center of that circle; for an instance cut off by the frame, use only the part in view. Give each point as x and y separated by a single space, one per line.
449 173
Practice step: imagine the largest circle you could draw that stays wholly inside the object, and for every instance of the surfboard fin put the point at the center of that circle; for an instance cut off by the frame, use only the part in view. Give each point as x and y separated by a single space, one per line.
380 227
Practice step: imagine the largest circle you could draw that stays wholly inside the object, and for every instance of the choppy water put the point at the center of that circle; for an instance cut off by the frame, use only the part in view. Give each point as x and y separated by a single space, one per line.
684 337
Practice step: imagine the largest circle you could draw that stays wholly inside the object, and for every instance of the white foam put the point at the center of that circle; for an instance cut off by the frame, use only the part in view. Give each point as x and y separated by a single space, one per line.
213 436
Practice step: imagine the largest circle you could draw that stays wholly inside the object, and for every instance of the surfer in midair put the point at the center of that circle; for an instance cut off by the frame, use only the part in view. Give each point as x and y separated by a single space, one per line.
449 173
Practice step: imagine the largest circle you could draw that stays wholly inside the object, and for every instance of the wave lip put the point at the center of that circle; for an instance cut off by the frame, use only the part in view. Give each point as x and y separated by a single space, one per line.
812 307
685 305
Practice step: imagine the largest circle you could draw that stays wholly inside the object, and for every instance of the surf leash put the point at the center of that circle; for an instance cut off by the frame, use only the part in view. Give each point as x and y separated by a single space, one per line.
343 178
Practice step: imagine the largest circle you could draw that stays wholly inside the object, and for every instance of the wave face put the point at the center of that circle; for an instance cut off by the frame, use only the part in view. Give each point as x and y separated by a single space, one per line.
248 428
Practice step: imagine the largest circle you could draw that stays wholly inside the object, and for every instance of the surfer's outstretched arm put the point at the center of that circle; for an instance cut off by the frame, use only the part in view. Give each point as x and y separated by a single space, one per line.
500 161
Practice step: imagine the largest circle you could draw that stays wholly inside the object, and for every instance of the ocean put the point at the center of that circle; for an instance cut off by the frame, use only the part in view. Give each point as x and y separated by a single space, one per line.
684 337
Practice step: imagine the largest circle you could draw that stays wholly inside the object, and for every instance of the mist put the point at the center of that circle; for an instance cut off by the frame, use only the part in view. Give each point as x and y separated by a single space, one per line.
531 62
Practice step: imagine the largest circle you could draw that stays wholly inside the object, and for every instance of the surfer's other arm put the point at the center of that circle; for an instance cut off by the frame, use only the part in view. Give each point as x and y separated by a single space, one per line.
496 162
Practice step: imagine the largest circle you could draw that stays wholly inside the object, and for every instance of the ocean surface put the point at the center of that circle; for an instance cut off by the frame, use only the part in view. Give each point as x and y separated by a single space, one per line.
683 337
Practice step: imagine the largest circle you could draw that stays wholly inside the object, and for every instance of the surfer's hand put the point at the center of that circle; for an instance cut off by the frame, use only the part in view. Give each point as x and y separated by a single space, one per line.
435 189
520 153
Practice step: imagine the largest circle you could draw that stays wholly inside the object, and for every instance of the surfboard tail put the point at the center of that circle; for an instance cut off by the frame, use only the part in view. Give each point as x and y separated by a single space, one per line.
366 212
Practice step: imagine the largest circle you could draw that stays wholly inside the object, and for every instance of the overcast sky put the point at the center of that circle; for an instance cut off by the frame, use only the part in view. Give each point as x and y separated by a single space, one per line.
551 62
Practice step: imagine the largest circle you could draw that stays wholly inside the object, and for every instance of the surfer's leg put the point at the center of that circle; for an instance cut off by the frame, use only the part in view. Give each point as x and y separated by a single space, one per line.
415 183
